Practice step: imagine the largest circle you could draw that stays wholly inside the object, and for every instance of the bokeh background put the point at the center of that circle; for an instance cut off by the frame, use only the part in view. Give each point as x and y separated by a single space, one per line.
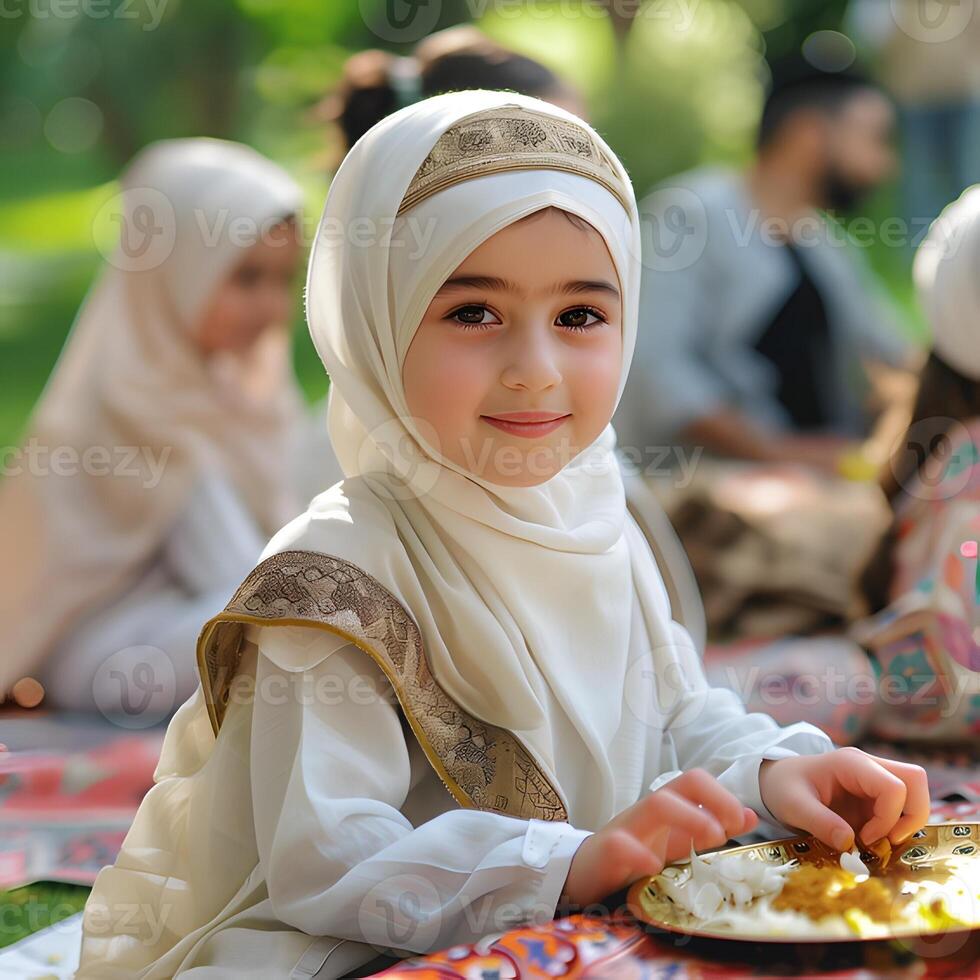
87 83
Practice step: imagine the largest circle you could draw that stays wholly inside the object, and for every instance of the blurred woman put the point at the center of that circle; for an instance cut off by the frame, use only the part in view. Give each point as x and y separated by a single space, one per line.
166 422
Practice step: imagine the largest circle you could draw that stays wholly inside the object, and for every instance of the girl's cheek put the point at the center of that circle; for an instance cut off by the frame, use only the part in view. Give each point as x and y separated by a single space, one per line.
444 382
597 375
461 391
467 365
228 319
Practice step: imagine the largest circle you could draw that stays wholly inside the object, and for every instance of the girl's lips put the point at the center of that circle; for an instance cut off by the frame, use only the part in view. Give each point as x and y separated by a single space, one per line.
529 430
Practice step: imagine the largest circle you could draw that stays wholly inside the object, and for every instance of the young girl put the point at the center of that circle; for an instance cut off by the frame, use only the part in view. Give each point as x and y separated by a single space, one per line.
451 694
923 581
375 83
152 474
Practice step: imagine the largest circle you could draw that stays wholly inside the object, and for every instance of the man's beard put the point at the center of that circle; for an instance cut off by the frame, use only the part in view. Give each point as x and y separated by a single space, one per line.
840 194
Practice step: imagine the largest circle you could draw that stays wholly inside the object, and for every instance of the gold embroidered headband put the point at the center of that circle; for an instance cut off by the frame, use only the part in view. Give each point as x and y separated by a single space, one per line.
512 138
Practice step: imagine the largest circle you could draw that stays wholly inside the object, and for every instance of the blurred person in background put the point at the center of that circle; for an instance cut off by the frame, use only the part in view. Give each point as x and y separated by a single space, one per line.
906 668
155 465
928 59
922 582
376 83
757 324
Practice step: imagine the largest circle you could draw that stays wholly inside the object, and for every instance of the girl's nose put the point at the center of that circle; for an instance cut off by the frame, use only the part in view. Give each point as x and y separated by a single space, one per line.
533 361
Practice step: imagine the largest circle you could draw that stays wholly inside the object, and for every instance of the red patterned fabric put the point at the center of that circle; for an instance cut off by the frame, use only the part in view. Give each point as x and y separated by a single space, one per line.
616 948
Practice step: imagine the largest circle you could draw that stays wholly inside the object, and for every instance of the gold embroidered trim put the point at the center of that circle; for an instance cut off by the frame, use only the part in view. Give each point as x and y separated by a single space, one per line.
483 766
511 138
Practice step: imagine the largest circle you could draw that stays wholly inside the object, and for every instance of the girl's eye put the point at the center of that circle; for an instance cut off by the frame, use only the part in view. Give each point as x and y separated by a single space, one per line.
473 315
579 318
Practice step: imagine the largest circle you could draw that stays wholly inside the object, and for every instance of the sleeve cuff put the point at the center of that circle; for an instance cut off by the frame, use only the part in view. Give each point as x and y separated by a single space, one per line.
550 846
742 777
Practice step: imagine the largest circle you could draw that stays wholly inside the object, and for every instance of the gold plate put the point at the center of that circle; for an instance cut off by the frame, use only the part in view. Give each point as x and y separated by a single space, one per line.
943 856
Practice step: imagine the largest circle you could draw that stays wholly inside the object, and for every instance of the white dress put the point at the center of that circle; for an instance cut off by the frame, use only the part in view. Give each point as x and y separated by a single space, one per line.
101 661
316 826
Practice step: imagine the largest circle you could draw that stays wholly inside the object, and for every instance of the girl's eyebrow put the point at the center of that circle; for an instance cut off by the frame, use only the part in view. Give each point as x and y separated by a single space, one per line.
505 285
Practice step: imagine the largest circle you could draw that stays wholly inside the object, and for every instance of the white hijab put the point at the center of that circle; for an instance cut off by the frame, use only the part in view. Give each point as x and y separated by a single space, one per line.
534 604
947 280
131 375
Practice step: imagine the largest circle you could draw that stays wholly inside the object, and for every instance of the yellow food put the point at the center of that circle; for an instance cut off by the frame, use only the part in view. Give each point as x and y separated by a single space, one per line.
818 891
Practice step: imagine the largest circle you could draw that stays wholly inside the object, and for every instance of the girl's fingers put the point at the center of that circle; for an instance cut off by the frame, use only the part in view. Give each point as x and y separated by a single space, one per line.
669 824
917 803
808 813
627 859
701 787
864 776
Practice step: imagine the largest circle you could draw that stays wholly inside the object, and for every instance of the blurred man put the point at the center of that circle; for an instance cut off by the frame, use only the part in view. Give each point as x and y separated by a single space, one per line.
756 320
926 57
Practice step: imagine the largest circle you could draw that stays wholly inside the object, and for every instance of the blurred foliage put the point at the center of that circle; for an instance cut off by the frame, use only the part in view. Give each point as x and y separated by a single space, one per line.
670 83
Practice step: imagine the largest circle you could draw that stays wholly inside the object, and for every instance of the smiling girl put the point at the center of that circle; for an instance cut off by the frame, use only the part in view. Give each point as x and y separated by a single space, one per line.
451 694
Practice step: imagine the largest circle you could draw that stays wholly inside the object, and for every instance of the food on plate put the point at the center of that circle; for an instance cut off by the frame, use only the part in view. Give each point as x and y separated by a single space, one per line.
801 889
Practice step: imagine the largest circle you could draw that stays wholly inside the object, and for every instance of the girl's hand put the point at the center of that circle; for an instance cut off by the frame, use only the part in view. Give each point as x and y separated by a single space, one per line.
838 794
693 808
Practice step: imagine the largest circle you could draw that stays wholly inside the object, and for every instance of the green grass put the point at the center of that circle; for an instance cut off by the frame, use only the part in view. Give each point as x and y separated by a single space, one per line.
26 910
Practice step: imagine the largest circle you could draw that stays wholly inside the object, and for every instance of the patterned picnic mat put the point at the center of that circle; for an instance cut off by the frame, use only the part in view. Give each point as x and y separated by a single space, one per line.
70 785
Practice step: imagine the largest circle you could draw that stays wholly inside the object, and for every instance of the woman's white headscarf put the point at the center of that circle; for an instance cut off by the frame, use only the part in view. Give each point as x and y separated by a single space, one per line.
947 279
134 412
534 603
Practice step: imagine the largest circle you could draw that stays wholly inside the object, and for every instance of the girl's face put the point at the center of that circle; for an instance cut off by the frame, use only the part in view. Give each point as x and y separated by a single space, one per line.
257 293
529 323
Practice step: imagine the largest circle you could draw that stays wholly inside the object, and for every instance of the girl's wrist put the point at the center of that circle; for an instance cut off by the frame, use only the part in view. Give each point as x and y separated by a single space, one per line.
764 768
